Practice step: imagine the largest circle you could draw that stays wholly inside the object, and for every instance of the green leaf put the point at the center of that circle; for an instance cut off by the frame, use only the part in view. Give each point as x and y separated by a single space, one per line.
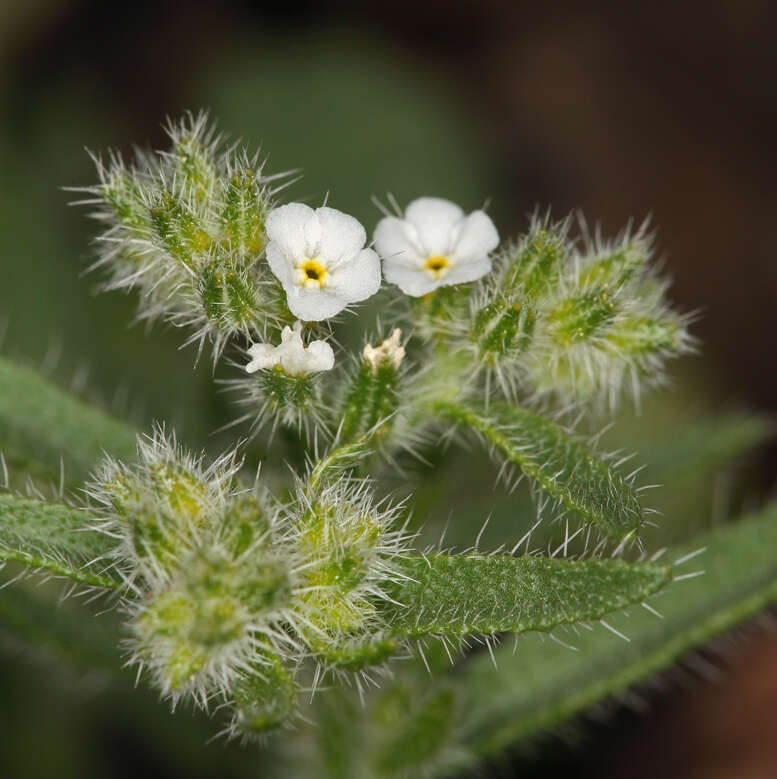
558 463
63 629
55 538
460 595
421 737
705 446
541 684
41 426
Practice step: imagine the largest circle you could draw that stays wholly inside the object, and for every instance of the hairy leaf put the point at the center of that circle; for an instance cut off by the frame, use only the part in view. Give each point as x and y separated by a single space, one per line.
558 463
477 594
41 426
541 684
54 538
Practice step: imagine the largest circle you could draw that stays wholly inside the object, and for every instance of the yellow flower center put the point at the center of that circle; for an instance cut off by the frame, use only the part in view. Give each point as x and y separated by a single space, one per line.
437 266
312 273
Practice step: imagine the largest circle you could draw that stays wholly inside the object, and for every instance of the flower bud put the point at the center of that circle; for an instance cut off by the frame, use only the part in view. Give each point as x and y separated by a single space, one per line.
373 395
503 328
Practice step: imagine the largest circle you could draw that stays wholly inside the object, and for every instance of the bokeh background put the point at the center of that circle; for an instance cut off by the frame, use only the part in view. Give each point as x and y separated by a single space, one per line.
622 110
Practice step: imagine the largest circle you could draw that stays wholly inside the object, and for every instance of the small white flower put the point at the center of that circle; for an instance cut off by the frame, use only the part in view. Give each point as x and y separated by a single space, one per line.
389 350
294 358
320 259
436 244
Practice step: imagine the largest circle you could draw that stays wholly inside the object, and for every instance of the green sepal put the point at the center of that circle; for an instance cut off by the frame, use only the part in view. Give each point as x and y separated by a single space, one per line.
231 299
641 336
440 311
264 698
371 398
244 523
581 317
458 595
614 269
123 196
534 267
356 654
504 327
177 228
195 166
291 394
243 215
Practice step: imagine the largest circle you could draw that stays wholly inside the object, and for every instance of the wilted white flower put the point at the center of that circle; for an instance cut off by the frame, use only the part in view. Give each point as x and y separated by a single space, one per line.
436 244
292 355
390 350
319 258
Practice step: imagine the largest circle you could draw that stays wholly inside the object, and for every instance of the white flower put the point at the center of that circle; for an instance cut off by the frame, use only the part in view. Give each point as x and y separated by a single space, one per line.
389 350
320 259
434 245
292 355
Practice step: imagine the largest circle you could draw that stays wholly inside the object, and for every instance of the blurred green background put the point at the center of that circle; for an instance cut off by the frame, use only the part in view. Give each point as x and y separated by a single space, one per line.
668 111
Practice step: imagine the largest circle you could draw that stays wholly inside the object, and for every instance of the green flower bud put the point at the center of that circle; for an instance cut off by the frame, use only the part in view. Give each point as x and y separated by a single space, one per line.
373 396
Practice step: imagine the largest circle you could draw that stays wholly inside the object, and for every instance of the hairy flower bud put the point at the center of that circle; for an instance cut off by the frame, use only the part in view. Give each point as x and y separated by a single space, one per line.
373 396
187 229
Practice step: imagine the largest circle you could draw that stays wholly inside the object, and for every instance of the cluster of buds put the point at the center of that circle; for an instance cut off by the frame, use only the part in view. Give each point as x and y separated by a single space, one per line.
228 591
581 325
187 228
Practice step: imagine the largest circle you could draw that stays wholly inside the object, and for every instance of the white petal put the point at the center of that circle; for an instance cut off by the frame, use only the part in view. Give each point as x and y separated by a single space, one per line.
313 305
342 236
299 360
281 266
264 356
292 335
469 270
320 356
393 241
412 281
477 237
292 228
358 278
436 220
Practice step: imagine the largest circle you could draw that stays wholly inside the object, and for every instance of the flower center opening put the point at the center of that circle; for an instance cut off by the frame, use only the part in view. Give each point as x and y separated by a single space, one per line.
312 273
437 266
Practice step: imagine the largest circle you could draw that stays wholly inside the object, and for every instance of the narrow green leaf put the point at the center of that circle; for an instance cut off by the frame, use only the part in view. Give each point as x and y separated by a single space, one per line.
41 426
54 538
561 465
705 446
542 684
64 629
476 594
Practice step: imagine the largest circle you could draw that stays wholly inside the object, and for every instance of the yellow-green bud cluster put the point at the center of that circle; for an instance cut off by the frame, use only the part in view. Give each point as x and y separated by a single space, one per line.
346 546
187 229
578 324
207 580
228 592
